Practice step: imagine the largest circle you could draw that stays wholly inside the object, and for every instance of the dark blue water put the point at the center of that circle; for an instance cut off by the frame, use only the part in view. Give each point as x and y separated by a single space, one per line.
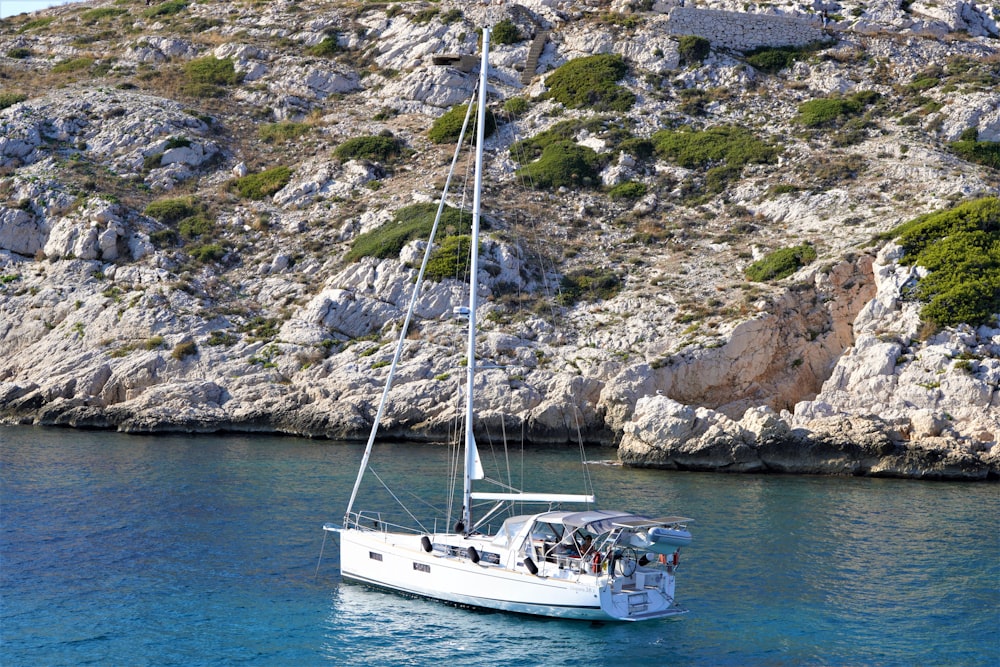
129 550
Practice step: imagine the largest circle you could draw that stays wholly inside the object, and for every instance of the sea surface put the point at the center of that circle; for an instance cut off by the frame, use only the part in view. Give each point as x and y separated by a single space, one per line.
205 550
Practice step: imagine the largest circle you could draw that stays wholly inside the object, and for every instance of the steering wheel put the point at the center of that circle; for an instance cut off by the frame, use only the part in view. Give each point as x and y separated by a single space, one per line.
627 561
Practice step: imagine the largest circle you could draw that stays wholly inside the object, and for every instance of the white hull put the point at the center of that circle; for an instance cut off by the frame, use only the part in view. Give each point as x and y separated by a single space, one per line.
397 561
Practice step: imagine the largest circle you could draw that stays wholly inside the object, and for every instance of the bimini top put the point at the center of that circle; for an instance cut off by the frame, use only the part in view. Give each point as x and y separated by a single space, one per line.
597 521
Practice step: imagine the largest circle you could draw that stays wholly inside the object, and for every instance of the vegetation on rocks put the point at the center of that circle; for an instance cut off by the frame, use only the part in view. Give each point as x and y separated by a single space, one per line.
772 60
409 223
657 182
781 263
588 285
591 83
829 110
378 148
448 126
505 32
262 184
562 164
730 145
450 258
961 249
981 152
693 49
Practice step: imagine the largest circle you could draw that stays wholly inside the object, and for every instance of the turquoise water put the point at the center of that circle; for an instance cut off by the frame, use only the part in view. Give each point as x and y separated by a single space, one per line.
131 550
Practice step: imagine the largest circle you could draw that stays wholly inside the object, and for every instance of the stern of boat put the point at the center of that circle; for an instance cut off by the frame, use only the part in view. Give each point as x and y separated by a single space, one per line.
646 593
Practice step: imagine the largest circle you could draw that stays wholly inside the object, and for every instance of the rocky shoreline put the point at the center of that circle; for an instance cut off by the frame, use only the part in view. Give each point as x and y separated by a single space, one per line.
251 320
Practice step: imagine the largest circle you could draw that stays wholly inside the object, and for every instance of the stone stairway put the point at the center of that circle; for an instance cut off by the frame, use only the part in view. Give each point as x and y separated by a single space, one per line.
534 53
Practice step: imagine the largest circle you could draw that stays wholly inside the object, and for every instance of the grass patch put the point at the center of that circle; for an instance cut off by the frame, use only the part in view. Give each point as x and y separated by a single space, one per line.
212 71
279 133
72 65
960 247
165 9
410 222
9 99
591 83
448 126
184 350
101 13
780 263
262 184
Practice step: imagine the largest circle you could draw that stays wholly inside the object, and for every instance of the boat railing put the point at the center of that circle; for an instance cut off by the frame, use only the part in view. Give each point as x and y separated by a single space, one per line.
373 521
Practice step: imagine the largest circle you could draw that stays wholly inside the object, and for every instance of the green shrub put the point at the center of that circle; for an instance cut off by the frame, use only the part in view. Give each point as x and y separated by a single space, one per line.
693 49
169 211
220 337
449 258
378 148
516 106
211 71
627 190
20 52
730 144
960 248
184 350
279 133
95 15
164 238
195 226
451 16
210 252
37 24
72 65
591 82
718 178
825 111
10 99
780 263
328 48
263 184
505 32
563 163
986 153
771 60
531 148
154 342
410 222
448 126
165 8
641 149
588 285
425 15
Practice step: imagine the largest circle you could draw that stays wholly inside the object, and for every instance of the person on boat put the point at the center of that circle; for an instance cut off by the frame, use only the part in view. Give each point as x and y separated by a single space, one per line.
586 545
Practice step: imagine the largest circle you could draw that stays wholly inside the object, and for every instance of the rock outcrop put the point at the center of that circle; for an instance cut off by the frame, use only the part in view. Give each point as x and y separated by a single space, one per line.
237 310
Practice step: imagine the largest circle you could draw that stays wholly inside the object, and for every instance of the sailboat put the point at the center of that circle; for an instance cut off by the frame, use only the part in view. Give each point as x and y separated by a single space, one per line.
583 563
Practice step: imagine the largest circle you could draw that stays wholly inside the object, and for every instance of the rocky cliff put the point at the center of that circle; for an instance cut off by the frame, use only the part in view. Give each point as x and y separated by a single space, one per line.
146 285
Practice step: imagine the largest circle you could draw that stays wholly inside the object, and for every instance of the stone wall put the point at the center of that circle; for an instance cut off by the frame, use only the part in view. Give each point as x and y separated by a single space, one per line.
743 32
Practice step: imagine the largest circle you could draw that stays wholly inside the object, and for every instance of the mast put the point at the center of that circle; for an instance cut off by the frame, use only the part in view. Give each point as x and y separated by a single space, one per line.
471 455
